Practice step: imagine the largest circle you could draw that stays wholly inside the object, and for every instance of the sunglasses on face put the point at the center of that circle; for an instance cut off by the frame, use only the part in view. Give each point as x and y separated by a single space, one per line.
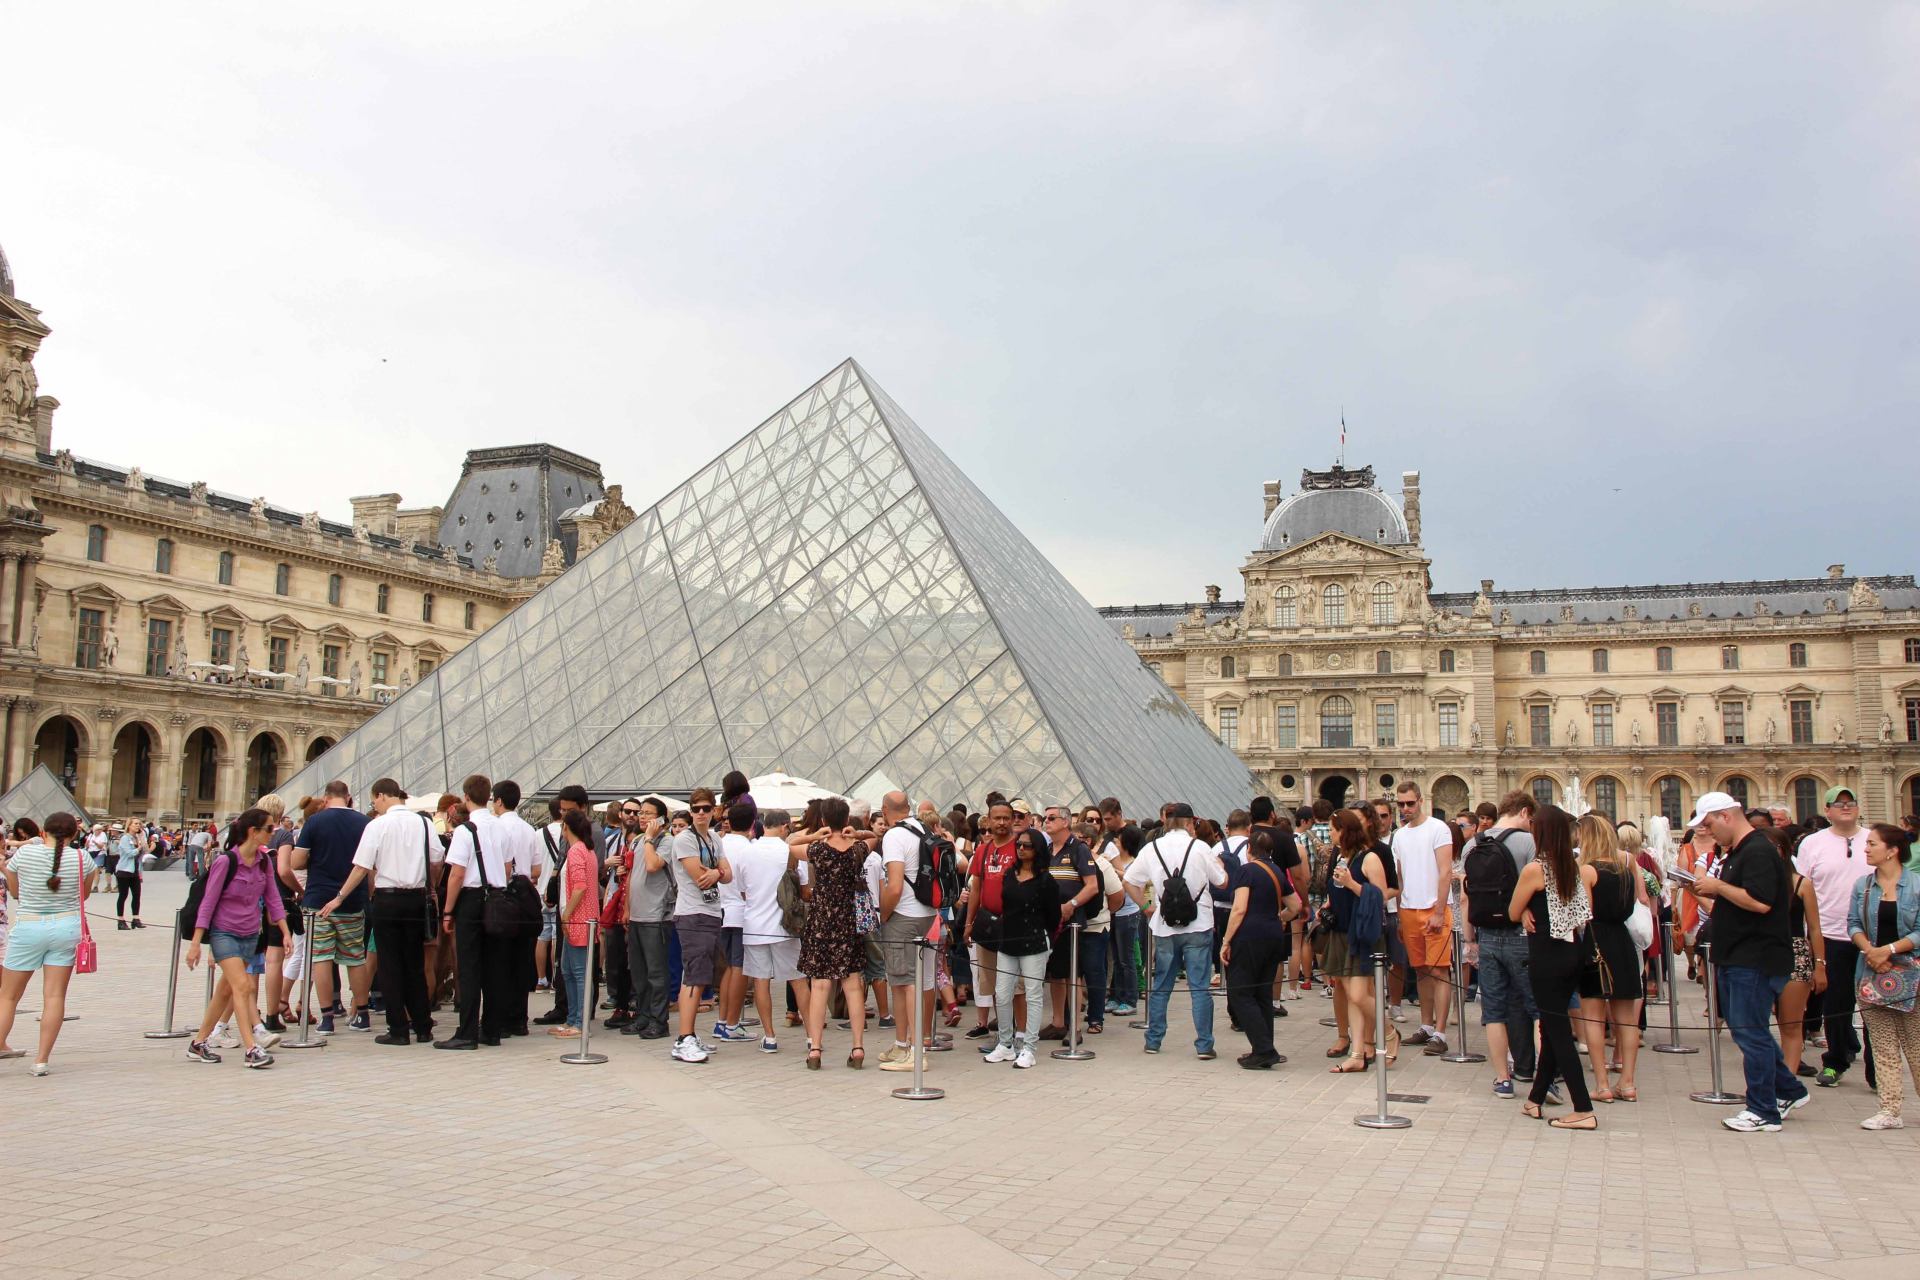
1407 804
699 808
630 813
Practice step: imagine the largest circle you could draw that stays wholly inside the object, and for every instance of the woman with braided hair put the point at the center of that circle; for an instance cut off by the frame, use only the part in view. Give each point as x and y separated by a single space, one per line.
49 884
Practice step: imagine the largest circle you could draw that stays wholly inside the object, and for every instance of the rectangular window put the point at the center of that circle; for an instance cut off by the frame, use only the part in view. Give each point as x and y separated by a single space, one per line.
163 556
381 595
1386 723
1603 724
1800 721
379 661
1449 724
333 588
220 647
1446 660
1663 659
1601 661
226 568
1796 655
159 645
472 614
1540 725
1286 726
97 542
425 668
330 667
1730 657
282 579
1666 723
1230 726
278 648
1733 723
1913 719
1537 662
86 639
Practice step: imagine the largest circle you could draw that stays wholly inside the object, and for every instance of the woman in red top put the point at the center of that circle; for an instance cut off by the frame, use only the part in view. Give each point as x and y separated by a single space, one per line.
579 901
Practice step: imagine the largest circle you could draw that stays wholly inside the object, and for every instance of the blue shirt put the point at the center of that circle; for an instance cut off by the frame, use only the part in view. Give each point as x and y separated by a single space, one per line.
128 850
331 837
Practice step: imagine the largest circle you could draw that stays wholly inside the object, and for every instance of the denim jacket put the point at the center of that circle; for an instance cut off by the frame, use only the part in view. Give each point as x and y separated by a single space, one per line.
1863 910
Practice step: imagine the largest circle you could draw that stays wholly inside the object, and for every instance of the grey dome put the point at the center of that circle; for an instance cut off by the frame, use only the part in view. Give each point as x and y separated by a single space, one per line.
1366 514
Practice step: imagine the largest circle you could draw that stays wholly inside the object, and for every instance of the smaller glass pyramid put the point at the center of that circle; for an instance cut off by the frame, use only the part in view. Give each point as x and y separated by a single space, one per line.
830 597
36 796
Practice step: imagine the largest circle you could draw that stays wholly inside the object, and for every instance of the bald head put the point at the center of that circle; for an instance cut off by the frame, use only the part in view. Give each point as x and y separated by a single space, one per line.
893 807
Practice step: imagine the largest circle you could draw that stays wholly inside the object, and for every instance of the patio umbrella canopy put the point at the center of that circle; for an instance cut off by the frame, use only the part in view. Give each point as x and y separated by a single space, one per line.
784 791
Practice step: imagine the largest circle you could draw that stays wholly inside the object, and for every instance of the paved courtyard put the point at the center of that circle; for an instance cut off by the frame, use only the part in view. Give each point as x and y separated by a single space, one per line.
369 1161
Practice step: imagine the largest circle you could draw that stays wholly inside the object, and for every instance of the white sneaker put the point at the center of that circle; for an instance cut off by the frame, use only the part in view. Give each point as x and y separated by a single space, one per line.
1397 1014
1025 1059
264 1038
1747 1122
224 1038
687 1049
1883 1121
1788 1108
1003 1053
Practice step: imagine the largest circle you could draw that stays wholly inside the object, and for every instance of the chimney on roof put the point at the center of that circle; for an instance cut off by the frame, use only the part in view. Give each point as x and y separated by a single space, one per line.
1213 595
1836 571
376 513
1410 504
1272 488
43 407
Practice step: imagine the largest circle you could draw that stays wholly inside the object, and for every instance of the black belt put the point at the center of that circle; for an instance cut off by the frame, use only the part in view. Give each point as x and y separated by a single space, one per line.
416 889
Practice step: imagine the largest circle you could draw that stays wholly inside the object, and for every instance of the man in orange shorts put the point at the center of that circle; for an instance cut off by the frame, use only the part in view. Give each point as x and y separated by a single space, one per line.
1423 851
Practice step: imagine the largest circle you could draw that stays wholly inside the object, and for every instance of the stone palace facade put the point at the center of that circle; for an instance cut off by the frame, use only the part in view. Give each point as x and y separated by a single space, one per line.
1340 672
170 651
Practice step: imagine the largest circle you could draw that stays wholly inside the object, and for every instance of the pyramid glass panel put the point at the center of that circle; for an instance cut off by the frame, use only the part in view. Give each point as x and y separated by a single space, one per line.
830 596
38 795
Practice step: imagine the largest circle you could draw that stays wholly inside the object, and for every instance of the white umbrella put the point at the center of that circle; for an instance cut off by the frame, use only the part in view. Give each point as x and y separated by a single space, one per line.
784 791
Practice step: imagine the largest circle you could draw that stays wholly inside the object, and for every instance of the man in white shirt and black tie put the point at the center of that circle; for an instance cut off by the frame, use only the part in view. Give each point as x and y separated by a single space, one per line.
397 851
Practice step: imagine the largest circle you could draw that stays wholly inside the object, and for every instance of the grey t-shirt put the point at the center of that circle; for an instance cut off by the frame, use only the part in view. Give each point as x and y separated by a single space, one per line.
1519 845
690 899
650 895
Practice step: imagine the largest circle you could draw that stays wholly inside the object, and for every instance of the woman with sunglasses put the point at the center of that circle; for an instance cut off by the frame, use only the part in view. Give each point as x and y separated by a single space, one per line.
1883 922
237 885
1029 919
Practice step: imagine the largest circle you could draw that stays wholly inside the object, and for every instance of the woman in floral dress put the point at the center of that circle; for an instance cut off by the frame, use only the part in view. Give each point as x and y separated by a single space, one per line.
832 948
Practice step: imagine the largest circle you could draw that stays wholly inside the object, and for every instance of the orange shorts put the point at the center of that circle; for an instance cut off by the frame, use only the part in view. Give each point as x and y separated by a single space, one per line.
1427 950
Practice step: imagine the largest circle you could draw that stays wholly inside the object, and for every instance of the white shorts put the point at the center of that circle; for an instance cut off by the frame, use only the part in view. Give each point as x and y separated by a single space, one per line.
778 961
293 965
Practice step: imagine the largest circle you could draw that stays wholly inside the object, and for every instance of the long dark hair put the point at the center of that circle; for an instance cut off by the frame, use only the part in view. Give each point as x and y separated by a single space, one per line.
26 829
1553 845
579 826
249 820
732 787
62 827
1034 842
1350 832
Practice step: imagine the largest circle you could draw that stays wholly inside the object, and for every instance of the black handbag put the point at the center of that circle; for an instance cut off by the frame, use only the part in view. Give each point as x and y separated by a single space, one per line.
499 913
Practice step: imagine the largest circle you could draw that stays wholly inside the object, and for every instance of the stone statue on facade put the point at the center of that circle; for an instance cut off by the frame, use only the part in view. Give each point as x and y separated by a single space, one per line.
1863 596
19 388
257 509
1473 733
1840 731
302 672
1127 632
179 671
112 646
197 493
1506 617
1573 733
1509 738
406 678
1309 604
310 522
1412 597
1700 730
1886 728
1633 732
554 559
353 680
63 461
1773 731
240 659
136 480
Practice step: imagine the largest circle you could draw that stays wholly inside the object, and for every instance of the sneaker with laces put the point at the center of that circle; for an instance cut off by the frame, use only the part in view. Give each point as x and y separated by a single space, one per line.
1883 1121
264 1038
1503 1089
1003 1053
1828 1078
903 1063
1024 1061
326 1025
897 1053
361 1021
224 1038
729 1031
979 1033
1436 1045
688 1049
769 1045
1422 1036
257 1058
1748 1122
886 1023
197 1051
1788 1108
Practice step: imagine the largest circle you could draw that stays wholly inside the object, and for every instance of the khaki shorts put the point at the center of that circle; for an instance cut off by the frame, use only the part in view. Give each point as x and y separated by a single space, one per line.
1427 950
900 937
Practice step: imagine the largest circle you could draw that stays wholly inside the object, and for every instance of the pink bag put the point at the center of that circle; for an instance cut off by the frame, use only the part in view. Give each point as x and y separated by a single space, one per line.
86 957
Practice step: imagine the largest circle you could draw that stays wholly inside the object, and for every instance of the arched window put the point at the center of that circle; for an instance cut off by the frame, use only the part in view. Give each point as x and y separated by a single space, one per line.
1333 605
426 607
1673 801
1382 608
1738 788
1542 789
1336 722
382 597
471 613
1606 797
1286 664
1446 660
96 542
163 556
1286 608
226 568
1806 799
1382 662
1537 662
1226 667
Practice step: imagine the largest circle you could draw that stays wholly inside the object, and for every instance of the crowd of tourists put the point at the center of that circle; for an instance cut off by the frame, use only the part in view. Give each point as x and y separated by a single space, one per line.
717 922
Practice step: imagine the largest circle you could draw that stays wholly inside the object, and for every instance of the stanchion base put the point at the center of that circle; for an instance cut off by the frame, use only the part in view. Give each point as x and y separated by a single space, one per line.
303 1044
923 1094
1462 1056
1138 1026
583 1059
940 1046
166 1035
1072 1055
1371 1121
1673 1048
1718 1099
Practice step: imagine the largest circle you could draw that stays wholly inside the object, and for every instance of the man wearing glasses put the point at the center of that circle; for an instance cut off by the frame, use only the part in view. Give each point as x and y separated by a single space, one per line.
1423 850
699 869
650 897
1835 859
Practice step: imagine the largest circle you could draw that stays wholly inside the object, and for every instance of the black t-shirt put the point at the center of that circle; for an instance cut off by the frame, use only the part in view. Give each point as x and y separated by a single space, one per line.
331 837
1751 939
1286 854
1391 866
1262 919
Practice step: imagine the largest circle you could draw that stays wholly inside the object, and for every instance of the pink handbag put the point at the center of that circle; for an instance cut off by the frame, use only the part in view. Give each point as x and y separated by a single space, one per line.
86 956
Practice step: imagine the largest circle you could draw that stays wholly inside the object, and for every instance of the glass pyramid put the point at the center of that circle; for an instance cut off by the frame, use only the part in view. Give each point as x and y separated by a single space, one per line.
830 597
36 796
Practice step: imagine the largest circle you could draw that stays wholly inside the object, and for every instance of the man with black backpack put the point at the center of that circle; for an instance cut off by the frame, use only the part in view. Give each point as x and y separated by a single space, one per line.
1497 945
1177 868
910 856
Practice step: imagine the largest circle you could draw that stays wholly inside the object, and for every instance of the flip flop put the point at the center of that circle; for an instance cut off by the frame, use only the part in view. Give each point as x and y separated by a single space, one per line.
13 1053
1587 1125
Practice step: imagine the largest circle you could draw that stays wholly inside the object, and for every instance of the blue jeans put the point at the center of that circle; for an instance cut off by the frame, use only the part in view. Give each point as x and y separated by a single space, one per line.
573 971
1125 986
1191 953
1746 1005
1093 974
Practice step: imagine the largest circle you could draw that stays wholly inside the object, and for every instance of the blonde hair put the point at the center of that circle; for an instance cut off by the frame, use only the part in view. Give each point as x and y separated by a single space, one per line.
1631 840
1599 847
274 804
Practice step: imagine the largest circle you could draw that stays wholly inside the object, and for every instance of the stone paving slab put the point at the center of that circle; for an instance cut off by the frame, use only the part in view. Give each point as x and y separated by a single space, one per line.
366 1161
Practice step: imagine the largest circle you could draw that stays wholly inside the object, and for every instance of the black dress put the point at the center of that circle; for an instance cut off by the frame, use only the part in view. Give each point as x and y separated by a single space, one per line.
1617 976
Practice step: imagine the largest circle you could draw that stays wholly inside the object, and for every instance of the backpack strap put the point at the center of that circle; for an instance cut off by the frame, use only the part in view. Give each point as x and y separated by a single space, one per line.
479 859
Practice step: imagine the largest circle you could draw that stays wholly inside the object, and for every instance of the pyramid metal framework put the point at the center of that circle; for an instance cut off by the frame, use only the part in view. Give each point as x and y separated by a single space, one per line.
38 794
831 597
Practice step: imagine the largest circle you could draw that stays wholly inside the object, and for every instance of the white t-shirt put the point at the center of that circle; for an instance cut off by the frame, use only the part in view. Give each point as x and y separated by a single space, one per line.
902 845
872 869
733 907
1413 850
524 850
757 868
493 851
395 845
1203 868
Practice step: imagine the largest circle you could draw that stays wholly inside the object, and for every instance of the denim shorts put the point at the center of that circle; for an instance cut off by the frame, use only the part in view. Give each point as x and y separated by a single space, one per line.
548 917
42 941
1506 984
232 946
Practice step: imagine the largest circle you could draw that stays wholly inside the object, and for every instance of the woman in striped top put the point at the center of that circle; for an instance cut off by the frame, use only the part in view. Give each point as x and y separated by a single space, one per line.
49 887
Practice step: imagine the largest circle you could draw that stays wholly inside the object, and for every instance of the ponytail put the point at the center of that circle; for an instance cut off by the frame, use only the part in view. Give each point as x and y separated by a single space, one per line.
62 827
248 822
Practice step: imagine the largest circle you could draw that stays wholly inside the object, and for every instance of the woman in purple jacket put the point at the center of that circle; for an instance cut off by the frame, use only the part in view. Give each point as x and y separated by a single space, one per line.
239 884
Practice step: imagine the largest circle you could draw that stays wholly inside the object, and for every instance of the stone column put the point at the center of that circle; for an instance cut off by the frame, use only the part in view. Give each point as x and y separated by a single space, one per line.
9 597
230 783
96 771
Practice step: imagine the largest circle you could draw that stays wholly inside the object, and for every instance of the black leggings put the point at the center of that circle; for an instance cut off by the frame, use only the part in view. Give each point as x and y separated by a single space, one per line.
129 883
1555 969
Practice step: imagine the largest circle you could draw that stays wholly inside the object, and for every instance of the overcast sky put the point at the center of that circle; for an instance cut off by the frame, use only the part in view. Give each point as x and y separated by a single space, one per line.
1634 287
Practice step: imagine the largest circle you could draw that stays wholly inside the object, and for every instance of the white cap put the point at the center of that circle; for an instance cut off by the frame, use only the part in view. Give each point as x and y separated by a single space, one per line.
1713 802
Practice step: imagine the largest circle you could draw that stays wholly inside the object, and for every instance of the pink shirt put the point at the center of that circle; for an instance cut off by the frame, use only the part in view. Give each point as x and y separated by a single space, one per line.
579 875
1835 864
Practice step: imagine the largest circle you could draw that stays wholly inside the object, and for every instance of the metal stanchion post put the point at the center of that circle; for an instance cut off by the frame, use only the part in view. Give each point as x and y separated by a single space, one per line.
1458 973
583 1057
1716 1095
918 1090
1075 1051
169 1031
1379 1118
1673 1044
1146 978
306 1040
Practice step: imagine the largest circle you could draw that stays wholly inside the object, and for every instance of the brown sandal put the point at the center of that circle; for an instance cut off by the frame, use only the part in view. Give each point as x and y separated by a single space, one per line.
1341 1049
1354 1065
